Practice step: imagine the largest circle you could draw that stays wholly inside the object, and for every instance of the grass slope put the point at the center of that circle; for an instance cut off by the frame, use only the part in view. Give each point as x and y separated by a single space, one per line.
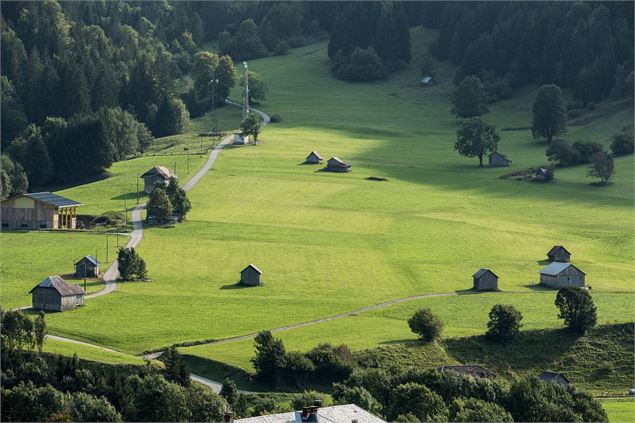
90 353
335 242
620 410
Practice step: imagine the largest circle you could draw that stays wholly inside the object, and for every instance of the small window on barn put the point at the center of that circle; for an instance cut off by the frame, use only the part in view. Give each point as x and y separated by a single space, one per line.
24 225
43 225
5 225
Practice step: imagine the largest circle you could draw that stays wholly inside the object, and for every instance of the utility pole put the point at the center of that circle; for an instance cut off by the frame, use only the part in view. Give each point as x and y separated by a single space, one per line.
246 100
174 167
214 86
125 210
106 246
137 191
85 272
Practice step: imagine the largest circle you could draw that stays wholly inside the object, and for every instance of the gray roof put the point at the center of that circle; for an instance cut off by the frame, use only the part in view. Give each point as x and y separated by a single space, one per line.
162 171
91 259
334 414
556 268
498 153
253 266
482 272
60 285
52 199
474 370
555 248
314 153
336 161
550 376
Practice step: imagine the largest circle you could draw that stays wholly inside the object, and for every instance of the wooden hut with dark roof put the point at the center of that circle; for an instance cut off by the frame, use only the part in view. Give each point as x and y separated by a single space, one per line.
313 158
55 294
250 275
39 210
473 370
485 280
88 267
335 164
497 159
156 175
559 253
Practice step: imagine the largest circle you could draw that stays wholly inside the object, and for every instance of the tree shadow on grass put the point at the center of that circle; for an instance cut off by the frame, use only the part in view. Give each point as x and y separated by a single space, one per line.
535 286
535 349
130 196
238 285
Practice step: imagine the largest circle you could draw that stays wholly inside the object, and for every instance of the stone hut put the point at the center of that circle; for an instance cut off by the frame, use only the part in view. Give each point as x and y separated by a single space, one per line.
559 253
485 280
88 266
554 377
473 370
156 175
313 158
335 164
497 159
250 275
55 294
558 275
39 210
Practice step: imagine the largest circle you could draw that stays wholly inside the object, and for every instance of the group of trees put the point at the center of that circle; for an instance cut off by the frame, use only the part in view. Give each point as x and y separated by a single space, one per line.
324 364
369 40
584 47
164 202
414 395
45 387
575 307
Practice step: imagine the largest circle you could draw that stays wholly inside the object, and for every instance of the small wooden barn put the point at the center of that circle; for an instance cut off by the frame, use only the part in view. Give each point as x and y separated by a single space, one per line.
541 175
39 210
335 164
559 253
485 280
313 158
427 81
250 275
88 267
240 138
156 175
474 370
554 377
559 275
497 159
55 294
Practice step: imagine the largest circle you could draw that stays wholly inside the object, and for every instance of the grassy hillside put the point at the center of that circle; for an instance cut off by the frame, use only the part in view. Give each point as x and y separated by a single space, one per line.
335 242
89 353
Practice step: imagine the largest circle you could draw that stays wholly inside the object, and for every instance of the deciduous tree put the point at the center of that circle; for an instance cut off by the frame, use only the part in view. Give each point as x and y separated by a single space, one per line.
602 166
549 113
469 98
475 138
426 324
504 322
576 308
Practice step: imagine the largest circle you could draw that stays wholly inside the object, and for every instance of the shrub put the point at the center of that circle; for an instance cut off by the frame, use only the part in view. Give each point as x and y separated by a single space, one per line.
419 400
275 117
622 144
307 398
587 150
504 322
229 391
475 410
357 395
561 152
331 363
131 265
426 324
361 65
281 49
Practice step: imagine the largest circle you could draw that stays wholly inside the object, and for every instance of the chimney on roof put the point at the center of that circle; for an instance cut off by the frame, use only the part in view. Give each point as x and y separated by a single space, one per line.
305 412
317 402
354 421
229 417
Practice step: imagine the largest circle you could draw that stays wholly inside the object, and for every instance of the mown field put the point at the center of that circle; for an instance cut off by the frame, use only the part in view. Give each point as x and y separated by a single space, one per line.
620 410
329 243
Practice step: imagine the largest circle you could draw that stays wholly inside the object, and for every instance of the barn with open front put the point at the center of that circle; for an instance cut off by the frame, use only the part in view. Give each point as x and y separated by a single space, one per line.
39 210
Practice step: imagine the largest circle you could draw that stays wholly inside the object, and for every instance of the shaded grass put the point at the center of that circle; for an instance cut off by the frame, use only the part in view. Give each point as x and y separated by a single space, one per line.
90 353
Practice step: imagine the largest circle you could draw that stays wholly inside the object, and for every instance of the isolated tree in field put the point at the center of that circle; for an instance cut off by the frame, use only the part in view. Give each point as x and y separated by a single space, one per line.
252 125
257 87
159 205
602 166
549 113
229 391
622 144
426 324
131 265
178 198
469 98
504 322
269 358
475 138
576 309
39 330
175 370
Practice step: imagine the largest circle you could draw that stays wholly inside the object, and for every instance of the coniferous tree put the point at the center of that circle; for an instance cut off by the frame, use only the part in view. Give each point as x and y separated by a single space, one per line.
178 198
159 205
269 357
576 308
469 98
39 330
175 369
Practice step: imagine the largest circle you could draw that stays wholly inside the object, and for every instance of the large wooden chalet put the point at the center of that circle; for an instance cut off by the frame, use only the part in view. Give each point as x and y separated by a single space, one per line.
39 210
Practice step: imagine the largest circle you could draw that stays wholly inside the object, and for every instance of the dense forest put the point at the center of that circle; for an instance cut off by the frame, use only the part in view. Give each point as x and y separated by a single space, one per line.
88 83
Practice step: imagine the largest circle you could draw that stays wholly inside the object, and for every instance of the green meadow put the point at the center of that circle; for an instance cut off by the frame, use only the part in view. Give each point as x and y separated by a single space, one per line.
29 257
87 352
620 410
329 243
